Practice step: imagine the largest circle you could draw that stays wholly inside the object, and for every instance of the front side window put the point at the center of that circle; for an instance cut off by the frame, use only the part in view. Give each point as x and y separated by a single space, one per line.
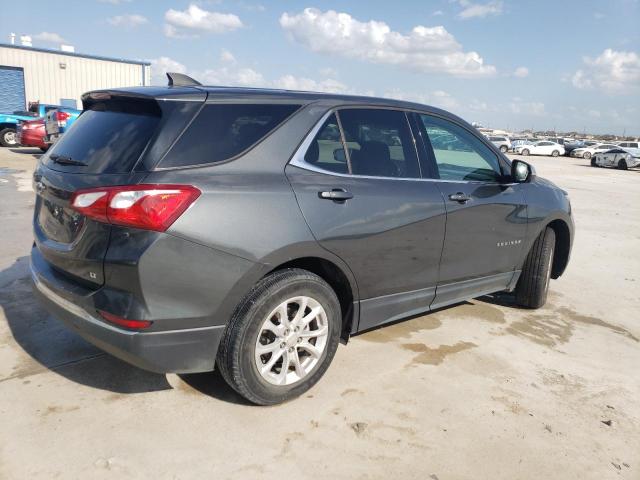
223 131
380 143
459 154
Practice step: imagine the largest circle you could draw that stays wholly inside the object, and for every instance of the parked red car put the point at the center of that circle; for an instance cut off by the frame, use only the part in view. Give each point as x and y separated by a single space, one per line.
31 134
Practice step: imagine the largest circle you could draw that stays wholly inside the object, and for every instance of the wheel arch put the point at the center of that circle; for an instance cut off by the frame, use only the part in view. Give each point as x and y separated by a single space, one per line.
562 247
340 281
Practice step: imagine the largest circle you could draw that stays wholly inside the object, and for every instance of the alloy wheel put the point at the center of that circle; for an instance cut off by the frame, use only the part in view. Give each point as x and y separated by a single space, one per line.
291 340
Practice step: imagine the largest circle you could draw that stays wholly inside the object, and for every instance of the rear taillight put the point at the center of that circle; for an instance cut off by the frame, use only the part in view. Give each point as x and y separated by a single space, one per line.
61 117
150 207
124 322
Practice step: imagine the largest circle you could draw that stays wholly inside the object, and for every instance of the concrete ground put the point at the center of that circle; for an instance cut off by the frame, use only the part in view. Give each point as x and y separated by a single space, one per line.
479 390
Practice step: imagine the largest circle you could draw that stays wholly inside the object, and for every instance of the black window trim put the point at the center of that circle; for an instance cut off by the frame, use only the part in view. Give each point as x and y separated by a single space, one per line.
300 106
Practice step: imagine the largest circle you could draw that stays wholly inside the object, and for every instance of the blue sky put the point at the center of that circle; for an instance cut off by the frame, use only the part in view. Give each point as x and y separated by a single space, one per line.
571 64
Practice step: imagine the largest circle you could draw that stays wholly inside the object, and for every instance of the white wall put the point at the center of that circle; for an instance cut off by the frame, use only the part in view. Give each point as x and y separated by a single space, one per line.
47 82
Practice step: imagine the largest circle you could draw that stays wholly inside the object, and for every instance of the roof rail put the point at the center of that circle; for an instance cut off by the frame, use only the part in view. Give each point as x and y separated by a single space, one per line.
181 80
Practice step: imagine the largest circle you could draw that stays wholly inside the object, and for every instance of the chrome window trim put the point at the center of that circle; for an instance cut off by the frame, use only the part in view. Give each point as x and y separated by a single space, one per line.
297 160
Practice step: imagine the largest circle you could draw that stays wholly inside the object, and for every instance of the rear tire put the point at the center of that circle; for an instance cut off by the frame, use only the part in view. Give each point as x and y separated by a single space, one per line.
586 155
504 149
525 152
8 137
622 165
254 324
533 284
555 153
593 162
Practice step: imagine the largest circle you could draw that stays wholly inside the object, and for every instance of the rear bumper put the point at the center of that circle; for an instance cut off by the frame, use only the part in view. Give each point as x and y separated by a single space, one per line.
175 351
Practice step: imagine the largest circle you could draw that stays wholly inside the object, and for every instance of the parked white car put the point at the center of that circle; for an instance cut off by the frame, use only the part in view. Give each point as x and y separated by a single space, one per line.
621 158
588 152
502 142
543 147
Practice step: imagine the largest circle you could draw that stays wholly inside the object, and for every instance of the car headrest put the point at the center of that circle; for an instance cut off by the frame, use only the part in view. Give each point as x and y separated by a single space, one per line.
374 159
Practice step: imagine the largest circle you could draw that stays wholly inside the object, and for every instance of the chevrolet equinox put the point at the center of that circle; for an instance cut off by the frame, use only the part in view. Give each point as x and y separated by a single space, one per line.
184 228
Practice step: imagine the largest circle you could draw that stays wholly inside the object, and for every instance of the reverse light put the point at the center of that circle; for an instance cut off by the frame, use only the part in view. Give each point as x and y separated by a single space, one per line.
124 322
149 207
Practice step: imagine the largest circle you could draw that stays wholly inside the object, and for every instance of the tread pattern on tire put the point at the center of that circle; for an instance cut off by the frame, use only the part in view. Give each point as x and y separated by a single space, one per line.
531 291
230 347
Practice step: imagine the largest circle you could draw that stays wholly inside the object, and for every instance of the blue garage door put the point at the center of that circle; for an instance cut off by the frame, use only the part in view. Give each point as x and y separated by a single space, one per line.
12 96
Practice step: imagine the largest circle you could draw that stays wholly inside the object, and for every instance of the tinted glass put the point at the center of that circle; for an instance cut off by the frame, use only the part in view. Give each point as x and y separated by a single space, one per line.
459 154
106 141
326 150
222 131
380 143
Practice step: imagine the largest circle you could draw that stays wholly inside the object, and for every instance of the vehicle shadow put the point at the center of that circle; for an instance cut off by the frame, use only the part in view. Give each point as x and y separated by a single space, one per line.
34 152
213 385
51 346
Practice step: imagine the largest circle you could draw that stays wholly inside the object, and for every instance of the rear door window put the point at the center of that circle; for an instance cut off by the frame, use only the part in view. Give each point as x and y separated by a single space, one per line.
379 142
326 150
223 131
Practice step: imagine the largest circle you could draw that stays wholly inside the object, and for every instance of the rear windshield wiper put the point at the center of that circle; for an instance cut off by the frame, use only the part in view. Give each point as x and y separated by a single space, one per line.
64 160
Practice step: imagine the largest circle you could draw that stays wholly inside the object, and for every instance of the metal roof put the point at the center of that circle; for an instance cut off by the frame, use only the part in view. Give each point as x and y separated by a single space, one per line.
74 54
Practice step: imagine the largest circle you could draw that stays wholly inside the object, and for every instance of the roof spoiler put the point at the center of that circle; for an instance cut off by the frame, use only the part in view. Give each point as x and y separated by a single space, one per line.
181 80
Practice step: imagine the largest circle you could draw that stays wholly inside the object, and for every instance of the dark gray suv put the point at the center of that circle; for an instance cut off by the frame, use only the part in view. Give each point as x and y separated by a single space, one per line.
184 228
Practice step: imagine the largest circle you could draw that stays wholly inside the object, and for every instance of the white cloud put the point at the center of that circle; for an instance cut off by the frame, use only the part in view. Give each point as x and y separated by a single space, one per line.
521 72
289 82
194 20
227 57
129 20
49 37
160 66
479 10
530 108
612 72
425 49
437 98
230 75
328 72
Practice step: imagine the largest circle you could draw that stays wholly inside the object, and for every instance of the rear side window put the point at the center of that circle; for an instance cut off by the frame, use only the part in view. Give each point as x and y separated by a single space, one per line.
223 131
104 140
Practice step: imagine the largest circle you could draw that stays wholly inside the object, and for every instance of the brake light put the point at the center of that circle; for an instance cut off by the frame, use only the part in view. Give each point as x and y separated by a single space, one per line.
149 207
124 322
61 117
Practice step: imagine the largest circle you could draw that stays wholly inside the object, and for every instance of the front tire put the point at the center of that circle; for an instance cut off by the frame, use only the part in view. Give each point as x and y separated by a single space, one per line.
622 165
555 153
525 152
504 149
593 162
8 137
586 155
281 338
533 284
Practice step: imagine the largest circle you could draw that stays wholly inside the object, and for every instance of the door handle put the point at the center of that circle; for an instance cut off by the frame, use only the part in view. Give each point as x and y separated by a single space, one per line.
336 194
459 197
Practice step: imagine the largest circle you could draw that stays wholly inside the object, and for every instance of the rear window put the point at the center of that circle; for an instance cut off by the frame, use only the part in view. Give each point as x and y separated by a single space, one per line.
223 131
106 140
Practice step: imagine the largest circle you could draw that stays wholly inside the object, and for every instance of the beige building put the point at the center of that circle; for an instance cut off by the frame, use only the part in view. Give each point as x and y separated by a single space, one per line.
29 74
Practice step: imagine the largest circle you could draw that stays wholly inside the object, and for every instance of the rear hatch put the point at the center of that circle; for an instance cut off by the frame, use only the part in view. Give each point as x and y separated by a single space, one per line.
115 141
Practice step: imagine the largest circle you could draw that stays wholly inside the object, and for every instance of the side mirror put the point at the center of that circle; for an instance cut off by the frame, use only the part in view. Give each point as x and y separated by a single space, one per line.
522 172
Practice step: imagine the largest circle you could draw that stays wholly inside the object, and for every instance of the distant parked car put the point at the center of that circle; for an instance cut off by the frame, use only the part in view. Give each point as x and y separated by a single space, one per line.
9 121
571 146
59 121
503 143
629 144
588 151
521 141
541 148
31 133
621 158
